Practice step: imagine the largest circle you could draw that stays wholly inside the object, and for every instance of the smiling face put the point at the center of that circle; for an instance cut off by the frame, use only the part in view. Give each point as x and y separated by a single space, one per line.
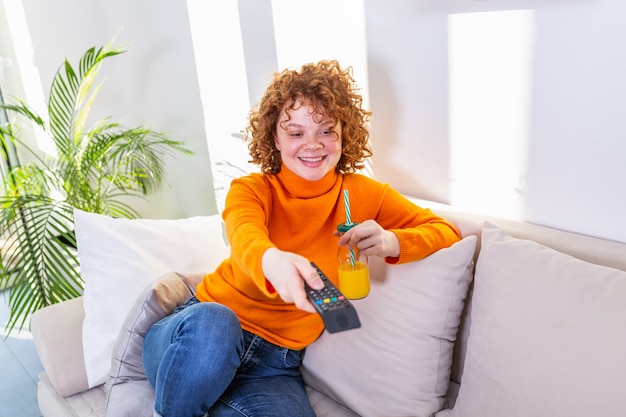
309 143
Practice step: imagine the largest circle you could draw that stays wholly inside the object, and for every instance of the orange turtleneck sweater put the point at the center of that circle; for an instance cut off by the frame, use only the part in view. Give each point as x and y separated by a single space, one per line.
293 214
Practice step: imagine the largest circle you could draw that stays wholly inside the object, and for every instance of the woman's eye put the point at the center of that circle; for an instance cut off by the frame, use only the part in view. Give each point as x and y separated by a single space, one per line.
295 135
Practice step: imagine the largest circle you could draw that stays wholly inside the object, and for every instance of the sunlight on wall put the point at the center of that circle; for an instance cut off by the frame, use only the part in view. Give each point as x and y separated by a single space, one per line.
29 74
221 70
490 64
326 29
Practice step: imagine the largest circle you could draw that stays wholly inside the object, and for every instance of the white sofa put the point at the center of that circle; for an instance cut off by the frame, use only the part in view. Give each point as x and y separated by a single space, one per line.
538 329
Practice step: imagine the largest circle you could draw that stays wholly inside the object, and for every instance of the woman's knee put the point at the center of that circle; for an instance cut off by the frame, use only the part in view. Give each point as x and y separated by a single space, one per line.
207 319
201 327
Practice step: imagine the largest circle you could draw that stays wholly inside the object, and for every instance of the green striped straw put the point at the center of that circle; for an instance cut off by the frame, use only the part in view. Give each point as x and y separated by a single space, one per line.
346 202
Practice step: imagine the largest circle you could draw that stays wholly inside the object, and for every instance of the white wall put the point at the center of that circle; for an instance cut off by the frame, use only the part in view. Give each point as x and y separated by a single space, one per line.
568 123
153 84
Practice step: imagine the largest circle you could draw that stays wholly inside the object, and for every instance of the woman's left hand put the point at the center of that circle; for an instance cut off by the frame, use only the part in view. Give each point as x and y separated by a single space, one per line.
371 239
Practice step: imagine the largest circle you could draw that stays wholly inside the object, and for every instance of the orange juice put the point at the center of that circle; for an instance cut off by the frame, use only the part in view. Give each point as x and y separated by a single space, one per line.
354 282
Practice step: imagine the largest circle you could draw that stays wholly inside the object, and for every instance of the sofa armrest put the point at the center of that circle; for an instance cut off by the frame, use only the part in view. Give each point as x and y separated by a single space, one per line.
57 333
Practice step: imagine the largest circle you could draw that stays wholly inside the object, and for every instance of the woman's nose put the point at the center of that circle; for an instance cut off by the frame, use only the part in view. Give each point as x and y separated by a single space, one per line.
313 141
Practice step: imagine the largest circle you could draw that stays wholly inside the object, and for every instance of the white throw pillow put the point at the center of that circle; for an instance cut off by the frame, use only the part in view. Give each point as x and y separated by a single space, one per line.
120 257
398 362
547 335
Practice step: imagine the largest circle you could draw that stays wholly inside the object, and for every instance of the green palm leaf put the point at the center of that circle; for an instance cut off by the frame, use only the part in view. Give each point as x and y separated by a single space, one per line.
95 169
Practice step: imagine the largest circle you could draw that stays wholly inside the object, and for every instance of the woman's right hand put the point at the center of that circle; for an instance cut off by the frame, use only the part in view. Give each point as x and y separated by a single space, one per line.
287 271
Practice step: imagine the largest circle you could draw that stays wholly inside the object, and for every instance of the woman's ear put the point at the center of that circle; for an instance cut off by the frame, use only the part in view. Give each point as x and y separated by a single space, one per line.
276 144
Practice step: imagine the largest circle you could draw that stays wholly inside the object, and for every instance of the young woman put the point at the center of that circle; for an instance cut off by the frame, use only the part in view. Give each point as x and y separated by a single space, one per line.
235 348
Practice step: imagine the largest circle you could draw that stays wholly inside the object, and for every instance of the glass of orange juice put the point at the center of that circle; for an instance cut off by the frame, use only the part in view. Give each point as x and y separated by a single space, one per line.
353 271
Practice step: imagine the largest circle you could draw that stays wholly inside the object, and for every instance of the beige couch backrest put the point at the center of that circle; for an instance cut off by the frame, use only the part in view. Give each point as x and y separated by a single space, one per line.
586 248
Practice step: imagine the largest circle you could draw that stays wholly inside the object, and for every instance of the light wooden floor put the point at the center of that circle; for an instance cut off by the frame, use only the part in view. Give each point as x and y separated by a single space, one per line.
19 370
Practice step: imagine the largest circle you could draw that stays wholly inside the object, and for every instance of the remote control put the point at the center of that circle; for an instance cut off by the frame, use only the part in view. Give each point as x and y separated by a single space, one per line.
336 310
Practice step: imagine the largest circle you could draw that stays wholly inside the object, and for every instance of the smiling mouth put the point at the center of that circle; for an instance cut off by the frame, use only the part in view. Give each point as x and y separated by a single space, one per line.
312 160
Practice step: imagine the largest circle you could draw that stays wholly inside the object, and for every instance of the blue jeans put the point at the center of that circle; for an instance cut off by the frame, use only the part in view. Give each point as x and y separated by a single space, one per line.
199 360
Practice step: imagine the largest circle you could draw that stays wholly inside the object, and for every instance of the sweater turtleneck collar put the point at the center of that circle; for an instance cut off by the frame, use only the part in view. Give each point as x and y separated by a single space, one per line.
300 188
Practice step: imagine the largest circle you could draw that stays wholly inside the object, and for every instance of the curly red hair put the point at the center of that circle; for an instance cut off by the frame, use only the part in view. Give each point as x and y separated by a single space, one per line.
331 91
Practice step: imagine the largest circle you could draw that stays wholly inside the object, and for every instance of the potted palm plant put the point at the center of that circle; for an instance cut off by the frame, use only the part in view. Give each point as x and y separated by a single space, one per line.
95 169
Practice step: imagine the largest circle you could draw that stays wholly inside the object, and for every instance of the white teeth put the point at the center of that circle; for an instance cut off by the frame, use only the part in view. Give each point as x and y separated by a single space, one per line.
318 159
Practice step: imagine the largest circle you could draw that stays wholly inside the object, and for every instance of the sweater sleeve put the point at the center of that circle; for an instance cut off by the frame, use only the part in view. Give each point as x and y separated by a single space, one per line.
432 234
246 215
419 231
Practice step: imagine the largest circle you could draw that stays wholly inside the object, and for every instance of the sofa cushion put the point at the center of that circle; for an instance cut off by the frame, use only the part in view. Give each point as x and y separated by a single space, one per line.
87 403
398 361
120 257
58 340
129 393
548 334
325 406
